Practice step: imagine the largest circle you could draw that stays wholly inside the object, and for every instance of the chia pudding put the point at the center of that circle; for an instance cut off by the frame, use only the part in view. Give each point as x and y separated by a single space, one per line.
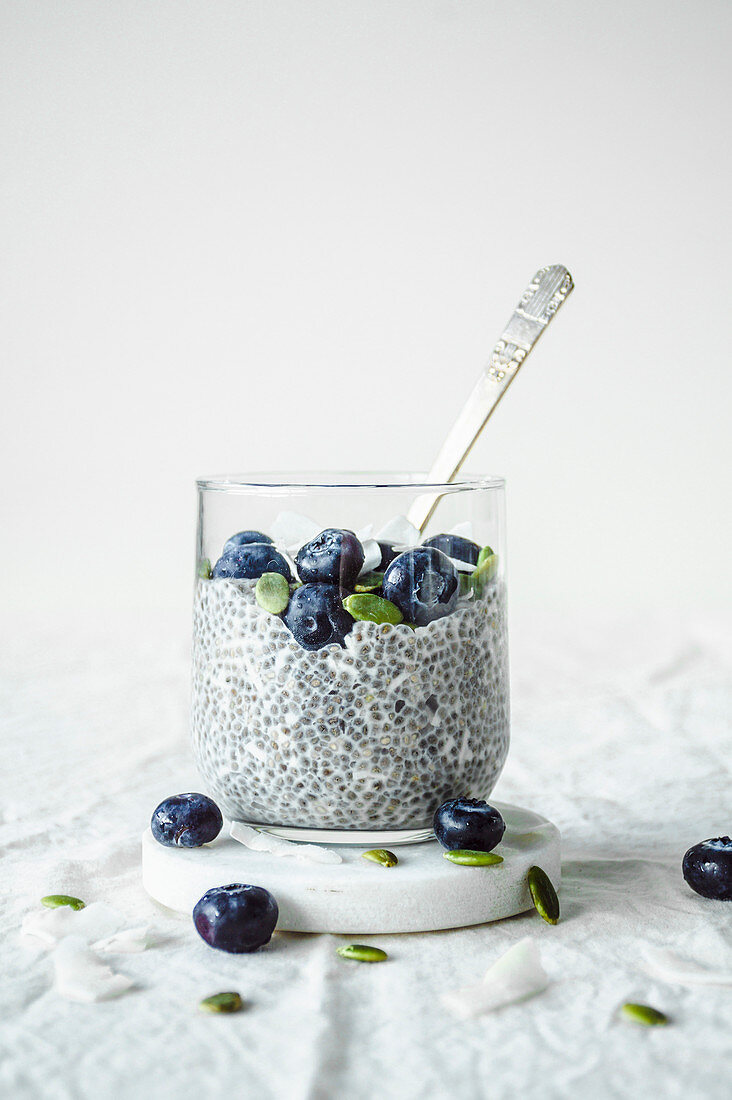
371 729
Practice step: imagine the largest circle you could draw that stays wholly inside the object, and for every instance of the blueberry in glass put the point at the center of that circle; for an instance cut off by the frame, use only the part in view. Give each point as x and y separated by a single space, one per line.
186 821
237 918
251 561
388 553
423 583
468 823
316 617
707 868
456 547
334 556
244 538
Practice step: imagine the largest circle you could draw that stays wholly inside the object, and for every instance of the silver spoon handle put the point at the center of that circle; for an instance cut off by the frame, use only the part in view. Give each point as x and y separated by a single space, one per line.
539 303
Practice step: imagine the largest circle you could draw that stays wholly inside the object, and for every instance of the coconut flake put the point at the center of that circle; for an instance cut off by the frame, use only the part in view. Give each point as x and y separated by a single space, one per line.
81 976
276 846
515 976
130 941
50 926
463 530
294 529
371 555
399 532
667 966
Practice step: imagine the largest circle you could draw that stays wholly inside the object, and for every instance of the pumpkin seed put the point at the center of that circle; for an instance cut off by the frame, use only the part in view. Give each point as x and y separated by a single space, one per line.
365 607
485 570
361 952
204 570
369 582
221 1002
382 856
272 592
55 901
643 1014
543 895
465 857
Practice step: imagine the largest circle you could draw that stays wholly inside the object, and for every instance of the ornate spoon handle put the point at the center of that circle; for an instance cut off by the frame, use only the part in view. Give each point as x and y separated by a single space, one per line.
539 304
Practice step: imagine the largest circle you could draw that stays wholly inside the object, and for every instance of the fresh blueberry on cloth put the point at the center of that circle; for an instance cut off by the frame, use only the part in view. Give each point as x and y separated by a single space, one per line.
236 918
707 868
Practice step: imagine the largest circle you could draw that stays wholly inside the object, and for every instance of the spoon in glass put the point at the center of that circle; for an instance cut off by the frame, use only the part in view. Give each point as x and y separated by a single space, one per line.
539 304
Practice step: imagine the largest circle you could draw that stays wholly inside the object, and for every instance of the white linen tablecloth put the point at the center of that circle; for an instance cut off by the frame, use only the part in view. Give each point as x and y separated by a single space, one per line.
621 736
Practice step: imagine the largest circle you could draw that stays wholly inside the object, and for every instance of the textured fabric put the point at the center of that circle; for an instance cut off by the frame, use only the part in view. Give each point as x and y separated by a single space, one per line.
621 736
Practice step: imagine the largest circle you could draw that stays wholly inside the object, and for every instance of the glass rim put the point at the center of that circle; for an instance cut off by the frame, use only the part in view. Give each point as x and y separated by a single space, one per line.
309 481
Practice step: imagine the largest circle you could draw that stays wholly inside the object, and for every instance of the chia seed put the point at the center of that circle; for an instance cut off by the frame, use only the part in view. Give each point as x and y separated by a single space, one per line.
262 749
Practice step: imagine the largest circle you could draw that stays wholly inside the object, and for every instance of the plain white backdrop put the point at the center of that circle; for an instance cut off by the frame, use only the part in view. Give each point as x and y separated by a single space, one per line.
258 235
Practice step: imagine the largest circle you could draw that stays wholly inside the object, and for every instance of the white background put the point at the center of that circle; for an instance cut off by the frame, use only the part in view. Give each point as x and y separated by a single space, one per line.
244 236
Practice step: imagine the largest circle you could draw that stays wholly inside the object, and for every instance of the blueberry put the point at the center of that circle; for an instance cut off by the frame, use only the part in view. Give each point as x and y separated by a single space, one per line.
332 557
316 617
423 584
186 821
707 868
251 561
243 538
388 553
468 823
236 918
456 547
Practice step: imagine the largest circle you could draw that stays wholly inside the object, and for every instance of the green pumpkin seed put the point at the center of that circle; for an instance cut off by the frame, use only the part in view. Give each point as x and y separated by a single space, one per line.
643 1014
55 901
382 856
221 1002
204 570
485 570
272 593
543 895
366 607
465 857
361 952
369 582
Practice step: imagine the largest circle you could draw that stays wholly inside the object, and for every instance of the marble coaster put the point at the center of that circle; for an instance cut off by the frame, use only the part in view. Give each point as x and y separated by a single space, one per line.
423 893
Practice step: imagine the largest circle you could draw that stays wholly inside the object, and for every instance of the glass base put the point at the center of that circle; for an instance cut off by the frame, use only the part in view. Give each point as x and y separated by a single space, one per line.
363 838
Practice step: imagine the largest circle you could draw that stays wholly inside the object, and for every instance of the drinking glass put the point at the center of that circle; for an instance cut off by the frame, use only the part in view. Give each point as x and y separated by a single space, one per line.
358 740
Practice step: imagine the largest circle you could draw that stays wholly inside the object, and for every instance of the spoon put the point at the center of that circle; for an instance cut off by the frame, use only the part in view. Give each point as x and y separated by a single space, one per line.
539 303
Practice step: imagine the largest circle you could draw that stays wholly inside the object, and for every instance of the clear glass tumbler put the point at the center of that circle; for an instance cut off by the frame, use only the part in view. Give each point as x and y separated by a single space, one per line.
363 680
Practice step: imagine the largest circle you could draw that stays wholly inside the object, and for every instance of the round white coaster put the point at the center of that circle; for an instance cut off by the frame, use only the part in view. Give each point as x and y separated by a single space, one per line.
423 893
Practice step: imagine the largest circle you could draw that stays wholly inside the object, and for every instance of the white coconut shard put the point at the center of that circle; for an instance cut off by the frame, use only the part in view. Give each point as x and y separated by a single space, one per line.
276 846
372 555
515 976
49 926
130 941
293 529
667 966
399 532
463 530
80 975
